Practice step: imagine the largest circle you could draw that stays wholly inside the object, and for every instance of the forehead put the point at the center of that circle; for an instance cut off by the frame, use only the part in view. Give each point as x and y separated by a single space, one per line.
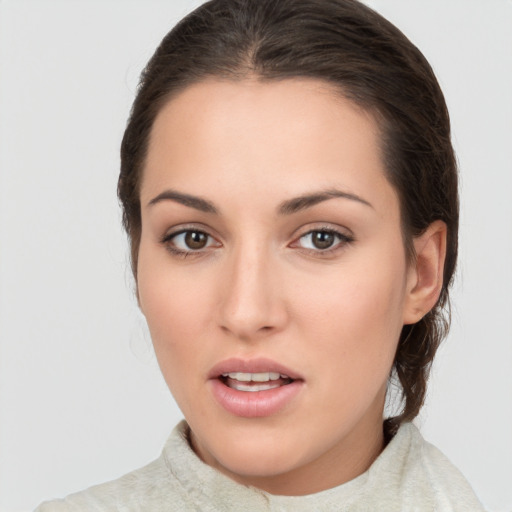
303 106
298 131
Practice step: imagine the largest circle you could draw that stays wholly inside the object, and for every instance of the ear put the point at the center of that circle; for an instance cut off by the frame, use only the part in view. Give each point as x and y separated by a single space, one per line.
425 275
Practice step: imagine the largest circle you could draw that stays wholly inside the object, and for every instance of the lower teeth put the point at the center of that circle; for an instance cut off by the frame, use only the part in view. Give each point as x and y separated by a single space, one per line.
253 387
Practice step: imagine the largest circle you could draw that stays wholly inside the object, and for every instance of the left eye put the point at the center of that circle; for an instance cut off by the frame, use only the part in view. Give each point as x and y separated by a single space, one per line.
191 240
321 240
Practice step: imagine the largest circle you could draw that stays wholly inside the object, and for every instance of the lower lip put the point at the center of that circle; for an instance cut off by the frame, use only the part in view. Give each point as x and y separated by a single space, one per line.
256 404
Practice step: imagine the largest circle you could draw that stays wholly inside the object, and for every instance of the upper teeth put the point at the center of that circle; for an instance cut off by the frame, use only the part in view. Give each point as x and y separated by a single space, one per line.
255 377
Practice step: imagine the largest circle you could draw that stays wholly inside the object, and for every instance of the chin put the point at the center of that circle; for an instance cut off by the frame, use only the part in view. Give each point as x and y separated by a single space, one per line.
252 453
249 468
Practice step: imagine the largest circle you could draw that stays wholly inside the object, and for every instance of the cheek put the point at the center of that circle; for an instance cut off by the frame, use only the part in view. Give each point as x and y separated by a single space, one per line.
364 295
175 315
355 318
176 305
169 308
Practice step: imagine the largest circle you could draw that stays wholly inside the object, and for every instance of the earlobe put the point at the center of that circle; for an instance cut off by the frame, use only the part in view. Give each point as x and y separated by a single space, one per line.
425 278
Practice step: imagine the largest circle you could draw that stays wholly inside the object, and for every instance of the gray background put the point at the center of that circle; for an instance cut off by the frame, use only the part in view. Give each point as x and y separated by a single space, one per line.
81 397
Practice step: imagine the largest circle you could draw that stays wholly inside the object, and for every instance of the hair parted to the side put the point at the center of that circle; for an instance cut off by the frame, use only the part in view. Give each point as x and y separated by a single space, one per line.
370 62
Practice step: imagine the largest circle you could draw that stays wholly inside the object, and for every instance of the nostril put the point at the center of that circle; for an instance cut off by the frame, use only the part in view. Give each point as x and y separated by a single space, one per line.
246 331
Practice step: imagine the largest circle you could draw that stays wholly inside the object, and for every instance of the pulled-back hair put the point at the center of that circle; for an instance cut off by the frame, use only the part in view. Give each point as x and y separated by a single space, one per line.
370 62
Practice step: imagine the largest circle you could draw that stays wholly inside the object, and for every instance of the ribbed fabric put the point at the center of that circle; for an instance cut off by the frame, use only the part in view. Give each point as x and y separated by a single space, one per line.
410 475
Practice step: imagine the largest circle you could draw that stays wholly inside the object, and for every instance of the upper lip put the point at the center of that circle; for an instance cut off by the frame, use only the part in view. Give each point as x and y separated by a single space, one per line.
257 365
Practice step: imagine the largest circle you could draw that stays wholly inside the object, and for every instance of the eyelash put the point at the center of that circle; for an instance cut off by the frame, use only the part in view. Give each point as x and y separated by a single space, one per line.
168 239
342 241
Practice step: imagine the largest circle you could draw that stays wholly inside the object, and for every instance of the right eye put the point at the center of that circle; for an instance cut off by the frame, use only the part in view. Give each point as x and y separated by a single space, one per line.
189 241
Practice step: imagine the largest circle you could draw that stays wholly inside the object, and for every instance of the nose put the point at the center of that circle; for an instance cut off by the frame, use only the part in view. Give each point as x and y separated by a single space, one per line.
252 302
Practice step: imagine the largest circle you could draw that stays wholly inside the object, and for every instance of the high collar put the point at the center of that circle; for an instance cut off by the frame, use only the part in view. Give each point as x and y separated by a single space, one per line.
214 490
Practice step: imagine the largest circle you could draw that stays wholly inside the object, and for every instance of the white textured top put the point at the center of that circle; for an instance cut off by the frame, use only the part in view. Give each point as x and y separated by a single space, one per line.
410 475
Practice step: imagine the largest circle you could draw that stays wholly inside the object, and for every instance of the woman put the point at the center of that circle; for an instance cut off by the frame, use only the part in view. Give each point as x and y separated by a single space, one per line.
289 189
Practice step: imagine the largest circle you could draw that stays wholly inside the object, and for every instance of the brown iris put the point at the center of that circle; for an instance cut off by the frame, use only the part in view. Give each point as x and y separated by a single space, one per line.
196 239
322 239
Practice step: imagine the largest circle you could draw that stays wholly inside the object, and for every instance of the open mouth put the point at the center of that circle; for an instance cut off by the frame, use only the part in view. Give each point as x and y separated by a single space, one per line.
252 382
254 388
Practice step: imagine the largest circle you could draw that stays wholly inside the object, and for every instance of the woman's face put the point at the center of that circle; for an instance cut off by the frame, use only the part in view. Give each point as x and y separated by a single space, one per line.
273 277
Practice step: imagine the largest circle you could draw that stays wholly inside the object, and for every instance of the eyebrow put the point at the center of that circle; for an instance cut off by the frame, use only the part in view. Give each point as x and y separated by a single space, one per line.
308 200
198 203
287 207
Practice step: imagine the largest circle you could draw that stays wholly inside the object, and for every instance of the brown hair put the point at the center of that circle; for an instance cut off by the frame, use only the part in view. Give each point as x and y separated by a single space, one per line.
370 62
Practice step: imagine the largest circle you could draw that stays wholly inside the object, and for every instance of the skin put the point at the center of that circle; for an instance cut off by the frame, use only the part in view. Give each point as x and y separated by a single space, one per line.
261 288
